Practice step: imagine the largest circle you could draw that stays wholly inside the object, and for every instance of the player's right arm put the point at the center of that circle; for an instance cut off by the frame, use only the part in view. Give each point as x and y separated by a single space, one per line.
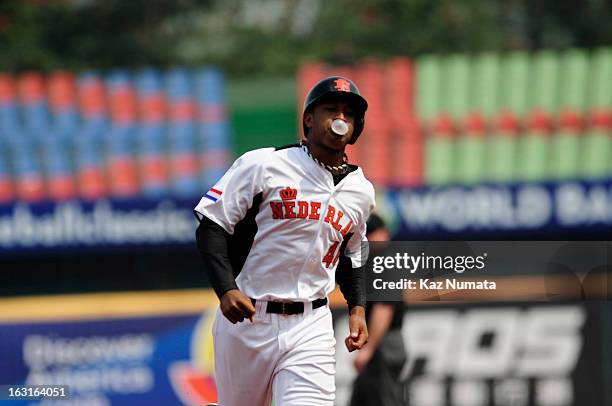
212 242
219 210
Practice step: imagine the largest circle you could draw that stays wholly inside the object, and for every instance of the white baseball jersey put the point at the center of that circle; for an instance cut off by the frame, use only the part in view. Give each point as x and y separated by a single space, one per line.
301 220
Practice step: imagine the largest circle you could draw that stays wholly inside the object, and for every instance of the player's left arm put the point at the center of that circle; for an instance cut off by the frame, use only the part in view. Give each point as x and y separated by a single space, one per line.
381 316
350 276
358 330
352 287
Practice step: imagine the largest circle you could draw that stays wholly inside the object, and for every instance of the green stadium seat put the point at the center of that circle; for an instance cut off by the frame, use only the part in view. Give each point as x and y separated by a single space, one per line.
515 83
534 148
428 87
438 147
596 151
481 98
484 90
454 96
510 107
565 144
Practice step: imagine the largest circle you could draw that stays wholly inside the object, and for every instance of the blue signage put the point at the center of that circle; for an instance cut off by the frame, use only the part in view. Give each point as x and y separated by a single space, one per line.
103 223
496 209
158 360
522 210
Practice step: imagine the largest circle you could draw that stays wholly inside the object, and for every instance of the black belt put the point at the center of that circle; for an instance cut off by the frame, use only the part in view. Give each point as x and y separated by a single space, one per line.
291 307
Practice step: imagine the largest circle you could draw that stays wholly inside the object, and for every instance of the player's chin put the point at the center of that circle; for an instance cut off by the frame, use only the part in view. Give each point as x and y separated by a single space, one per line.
336 141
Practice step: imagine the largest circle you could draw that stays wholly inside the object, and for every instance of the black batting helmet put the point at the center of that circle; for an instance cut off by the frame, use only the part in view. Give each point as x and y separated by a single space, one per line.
338 86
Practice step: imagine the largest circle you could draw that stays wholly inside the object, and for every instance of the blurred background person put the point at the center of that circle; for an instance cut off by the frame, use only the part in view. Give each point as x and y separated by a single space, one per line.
380 362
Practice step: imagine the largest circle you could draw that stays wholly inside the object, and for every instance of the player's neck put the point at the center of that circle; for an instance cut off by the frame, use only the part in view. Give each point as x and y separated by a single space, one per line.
324 154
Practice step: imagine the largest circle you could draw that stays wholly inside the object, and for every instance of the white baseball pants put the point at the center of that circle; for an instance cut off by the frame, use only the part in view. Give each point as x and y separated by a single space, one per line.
288 358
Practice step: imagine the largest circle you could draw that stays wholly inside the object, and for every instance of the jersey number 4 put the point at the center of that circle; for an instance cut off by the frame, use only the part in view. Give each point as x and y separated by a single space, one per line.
331 257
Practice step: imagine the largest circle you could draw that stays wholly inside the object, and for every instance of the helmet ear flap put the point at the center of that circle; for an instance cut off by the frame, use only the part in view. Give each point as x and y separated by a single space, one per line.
359 124
304 126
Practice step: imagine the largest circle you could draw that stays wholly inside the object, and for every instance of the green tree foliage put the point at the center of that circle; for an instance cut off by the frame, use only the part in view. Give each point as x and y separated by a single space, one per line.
248 37
88 33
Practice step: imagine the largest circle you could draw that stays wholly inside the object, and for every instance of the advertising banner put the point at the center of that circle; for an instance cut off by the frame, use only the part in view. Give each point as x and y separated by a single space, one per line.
160 351
107 224
491 323
498 354
501 210
488 210
142 358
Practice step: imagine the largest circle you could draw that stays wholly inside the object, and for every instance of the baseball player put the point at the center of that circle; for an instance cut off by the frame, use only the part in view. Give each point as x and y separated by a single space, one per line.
276 233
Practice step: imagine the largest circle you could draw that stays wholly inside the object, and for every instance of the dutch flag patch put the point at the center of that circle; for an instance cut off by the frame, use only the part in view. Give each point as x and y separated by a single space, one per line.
213 194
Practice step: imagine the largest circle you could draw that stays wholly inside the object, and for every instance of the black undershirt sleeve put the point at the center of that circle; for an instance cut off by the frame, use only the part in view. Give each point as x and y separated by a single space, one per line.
213 246
351 280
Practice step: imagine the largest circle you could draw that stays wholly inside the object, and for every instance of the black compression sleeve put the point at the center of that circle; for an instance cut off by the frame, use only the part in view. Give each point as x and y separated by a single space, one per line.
212 244
352 282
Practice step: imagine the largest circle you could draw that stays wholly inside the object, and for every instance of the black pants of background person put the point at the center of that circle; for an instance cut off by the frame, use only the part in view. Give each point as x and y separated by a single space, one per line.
378 384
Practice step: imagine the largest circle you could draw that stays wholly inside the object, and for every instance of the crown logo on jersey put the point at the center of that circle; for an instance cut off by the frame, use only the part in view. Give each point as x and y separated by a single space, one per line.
288 193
